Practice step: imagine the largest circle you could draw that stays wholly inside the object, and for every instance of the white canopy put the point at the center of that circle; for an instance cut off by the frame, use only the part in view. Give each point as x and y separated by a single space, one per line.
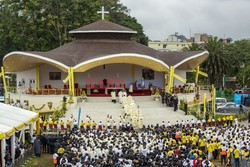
13 119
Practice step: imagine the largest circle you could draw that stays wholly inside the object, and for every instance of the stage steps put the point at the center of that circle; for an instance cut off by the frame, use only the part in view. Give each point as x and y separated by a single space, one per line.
153 111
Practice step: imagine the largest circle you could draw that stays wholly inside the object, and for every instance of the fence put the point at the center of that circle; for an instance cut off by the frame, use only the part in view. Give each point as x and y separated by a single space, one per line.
22 158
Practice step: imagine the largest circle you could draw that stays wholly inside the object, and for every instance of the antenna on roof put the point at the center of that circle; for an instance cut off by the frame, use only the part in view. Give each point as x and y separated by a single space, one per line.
102 12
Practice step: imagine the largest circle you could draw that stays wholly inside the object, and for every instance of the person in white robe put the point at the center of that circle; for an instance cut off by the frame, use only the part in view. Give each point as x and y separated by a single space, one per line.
120 94
130 89
124 95
113 96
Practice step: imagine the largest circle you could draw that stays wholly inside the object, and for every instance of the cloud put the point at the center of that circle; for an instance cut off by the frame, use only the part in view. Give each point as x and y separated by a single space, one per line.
160 18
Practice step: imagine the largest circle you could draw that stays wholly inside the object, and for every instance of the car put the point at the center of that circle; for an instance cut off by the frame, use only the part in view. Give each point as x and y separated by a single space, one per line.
230 107
1 99
220 101
238 92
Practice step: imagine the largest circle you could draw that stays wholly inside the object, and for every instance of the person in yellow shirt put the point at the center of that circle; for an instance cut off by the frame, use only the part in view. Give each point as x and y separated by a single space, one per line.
231 118
173 142
194 141
51 122
184 139
82 125
60 150
228 120
245 156
202 143
55 124
45 125
41 122
236 157
165 134
209 122
93 125
188 137
229 155
62 124
219 121
216 146
224 120
88 125
210 151
171 152
68 124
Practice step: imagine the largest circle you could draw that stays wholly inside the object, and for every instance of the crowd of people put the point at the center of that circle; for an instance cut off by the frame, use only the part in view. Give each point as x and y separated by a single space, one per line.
20 148
185 143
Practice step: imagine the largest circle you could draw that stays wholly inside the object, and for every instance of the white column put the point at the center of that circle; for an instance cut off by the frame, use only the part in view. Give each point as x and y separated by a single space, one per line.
13 147
3 142
23 136
31 127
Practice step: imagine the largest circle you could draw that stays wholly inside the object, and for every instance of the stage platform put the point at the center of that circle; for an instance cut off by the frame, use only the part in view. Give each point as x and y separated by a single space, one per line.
153 111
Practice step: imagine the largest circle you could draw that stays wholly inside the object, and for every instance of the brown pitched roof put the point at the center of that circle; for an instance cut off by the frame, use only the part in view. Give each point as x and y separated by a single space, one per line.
102 26
79 51
104 38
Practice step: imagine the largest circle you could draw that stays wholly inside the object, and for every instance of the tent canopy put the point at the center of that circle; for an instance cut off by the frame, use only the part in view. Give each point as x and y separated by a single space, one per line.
14 119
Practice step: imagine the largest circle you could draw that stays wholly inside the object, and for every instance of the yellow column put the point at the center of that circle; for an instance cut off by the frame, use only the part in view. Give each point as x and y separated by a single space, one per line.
38 130
166 81
72 82
205 105
132 73
4 80
37 78
197 74
213 94
171 79
69 81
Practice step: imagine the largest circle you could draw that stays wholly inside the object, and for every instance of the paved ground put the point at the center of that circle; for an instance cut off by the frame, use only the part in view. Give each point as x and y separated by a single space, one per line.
153 111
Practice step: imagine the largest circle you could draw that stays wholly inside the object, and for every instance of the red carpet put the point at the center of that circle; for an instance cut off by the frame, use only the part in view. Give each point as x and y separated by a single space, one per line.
105 95
137 92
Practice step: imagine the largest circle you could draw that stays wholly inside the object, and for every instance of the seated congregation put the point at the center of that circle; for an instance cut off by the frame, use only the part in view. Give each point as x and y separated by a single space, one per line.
183 144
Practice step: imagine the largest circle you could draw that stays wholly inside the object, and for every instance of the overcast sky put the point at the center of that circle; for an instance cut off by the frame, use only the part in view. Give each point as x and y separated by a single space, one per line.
160 18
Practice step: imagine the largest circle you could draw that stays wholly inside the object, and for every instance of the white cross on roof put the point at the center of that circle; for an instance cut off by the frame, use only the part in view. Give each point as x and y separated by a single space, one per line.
102 12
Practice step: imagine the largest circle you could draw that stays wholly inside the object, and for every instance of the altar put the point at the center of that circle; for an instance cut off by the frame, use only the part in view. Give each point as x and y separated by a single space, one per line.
113 88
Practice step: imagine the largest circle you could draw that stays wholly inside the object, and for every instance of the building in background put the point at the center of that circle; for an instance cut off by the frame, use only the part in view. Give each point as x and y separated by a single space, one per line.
199 38
165 46
174 42
176 38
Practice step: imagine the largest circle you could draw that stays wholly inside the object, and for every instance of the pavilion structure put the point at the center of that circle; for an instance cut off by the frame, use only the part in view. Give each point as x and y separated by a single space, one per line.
13 124
102 57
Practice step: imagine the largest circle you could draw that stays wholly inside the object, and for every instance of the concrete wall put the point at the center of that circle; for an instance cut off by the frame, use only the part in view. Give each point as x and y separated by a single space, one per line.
115 72
29 75
44 77
24 79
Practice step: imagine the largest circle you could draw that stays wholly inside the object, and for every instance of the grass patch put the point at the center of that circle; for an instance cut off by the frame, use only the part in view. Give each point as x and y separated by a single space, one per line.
44 161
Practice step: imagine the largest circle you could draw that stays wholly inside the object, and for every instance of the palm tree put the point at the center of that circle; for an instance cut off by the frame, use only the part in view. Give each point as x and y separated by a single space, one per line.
217 63
193 47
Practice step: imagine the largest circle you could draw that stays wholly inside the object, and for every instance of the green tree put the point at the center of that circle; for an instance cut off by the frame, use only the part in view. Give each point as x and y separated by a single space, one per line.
244 73
217 63
42 25
193 47
239 51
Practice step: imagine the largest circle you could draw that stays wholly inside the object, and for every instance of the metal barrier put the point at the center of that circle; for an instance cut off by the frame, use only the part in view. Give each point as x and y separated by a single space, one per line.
22 158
